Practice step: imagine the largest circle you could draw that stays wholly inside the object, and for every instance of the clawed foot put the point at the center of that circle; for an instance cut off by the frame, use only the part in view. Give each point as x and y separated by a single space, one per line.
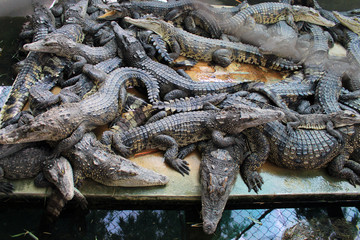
6 187
182 155
123 150
254 181
180 165
289 130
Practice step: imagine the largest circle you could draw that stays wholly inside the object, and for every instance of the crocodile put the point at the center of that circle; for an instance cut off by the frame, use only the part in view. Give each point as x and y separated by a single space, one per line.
306 149
73 90
43 23
219 168
183 129
65 47
352 23
68 122
183 13
93 160
272 12
206 49
351 42
31 161
172 85
323 121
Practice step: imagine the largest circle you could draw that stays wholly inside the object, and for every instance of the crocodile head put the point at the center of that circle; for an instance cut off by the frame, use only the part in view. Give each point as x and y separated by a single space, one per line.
34 131
219 170
306 14
103 166
238 117
59 173
132 48
344 118
353 23
58 44
158 26
115 11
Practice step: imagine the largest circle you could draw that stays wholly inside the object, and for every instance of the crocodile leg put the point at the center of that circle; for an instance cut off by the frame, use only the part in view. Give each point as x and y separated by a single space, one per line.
333 132
177 93
170 155
67 143
220 140
338 168
222 57
184 151
260 149
175 47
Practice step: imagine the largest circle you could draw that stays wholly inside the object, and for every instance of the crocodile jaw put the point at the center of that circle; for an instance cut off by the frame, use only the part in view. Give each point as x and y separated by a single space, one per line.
352 23
29 133
310 15
113 170
56 43
125 173
239 117
150 24
60 174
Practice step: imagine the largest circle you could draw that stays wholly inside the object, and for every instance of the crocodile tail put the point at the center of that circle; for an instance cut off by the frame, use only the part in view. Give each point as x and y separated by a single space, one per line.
54 206
139 78
278 64
190 103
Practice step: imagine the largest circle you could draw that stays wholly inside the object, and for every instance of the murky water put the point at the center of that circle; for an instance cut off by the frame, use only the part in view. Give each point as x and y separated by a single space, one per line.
161 224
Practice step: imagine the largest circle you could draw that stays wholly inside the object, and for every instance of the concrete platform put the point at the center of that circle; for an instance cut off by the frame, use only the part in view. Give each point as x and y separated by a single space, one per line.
281 186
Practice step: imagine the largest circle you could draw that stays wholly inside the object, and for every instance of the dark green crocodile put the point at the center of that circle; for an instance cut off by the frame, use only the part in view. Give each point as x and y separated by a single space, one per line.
183 129
172 85
272 12
68 122
206 49
219 168
306 149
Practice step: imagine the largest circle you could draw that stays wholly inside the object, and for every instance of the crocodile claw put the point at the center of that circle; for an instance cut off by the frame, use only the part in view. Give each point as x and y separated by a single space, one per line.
6 187
181 166
254 181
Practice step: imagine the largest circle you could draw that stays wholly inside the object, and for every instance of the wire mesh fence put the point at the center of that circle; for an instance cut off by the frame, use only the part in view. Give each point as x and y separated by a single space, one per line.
288 223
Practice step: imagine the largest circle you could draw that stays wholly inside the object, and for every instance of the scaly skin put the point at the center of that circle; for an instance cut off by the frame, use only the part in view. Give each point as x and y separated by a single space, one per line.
182 129
91 159
219 168
310 149
30 73
272 12
207 49
30 162
168 79
191 103
73 90
69 121
352 44
328 91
